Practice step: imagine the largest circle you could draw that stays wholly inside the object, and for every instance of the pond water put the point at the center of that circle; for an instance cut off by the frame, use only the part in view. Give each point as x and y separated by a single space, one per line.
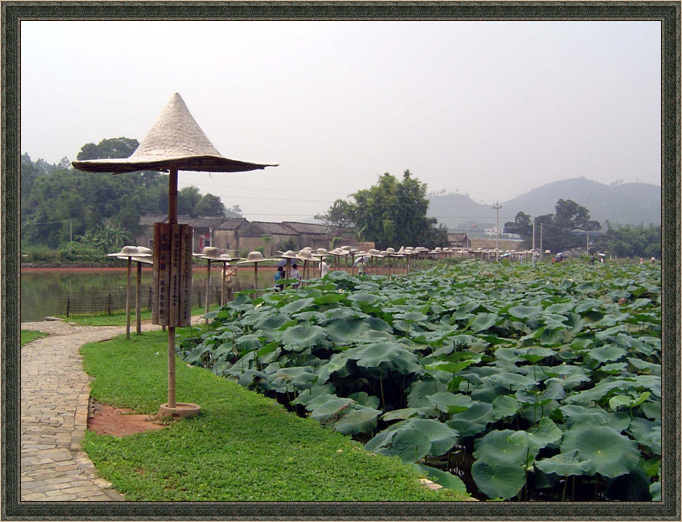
40 290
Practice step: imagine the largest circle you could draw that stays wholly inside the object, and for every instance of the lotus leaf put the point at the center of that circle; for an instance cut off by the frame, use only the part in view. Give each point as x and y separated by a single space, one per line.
271 321
356 419
482 321
449 402
407 413
564 464
655 491
364 399
472 421
507 446
387 356
290 379
443 478
341 331
652 409
418 393
608 452
298 305
655 369
325 408
627 401
511 380
249 342
413 439
500 480
304 336
647 433
505 406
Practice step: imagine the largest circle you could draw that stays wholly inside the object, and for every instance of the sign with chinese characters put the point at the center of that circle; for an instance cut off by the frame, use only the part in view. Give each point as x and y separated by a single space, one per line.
172 275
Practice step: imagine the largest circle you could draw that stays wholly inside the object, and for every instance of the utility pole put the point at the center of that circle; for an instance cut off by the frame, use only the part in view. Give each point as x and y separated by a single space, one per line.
497 208
541 251
587 241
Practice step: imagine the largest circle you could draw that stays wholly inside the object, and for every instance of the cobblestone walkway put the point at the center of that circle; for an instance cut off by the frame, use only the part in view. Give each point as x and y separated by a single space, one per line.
54 415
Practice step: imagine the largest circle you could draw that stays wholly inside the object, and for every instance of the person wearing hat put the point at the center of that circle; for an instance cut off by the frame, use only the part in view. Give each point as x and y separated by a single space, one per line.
295 274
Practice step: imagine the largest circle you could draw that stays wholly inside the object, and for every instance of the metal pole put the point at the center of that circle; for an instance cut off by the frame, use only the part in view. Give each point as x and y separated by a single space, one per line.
533 254
497 208
208 286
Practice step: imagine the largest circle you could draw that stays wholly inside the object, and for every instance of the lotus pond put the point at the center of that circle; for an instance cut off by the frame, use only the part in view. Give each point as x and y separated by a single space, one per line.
521 382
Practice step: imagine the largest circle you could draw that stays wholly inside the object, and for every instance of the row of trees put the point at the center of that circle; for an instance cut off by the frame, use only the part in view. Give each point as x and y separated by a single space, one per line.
570 227
60 204
390 213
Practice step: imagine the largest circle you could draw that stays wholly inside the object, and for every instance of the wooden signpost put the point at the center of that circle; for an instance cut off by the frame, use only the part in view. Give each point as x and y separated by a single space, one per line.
172 275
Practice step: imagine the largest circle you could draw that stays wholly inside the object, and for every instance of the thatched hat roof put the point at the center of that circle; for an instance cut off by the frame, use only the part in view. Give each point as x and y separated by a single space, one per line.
174 141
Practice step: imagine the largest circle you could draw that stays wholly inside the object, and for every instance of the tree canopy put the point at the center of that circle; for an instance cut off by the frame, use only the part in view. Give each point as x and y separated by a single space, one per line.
389 213
558 231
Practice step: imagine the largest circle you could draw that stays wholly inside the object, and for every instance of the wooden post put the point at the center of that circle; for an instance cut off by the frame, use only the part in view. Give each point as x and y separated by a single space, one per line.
128 299
255 276
208 286
172 220
138 289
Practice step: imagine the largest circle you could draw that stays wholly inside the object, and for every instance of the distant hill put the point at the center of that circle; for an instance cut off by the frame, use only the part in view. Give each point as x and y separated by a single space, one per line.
624 204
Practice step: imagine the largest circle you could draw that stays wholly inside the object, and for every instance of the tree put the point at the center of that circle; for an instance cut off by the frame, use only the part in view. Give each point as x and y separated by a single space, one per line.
188 199
522 225
571 216
339 215
632 241
108 148
209 205
394 213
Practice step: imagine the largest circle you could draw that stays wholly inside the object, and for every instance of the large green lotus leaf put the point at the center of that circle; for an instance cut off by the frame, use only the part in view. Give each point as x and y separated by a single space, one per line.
507 354
313 392
359 419
652 409
498 479
598 392
627 401
647 433
412 317
442 437
364 399
452 367
576 414
505 406
298 305
336 365
654 369
329 298
610 333
364 298
341 331
378 324
408 413
472 421
607 353
418 393
409 444
525 312
310 316
564 464
503 445
271 321
542 434
535 353
560 308
651 383
386 356
449 402
482 321
443 478
249 342
325 408
609 453
304 336
288 379
344 314
511 380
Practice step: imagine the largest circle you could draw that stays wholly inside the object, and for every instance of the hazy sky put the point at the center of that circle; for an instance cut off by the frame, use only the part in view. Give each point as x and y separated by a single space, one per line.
492 109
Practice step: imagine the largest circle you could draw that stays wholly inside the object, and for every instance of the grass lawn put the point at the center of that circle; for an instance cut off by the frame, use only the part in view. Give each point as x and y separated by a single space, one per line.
119 319
241 447
30 335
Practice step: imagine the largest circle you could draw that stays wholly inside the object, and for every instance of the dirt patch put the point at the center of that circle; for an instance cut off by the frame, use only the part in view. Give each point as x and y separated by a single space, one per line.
107 420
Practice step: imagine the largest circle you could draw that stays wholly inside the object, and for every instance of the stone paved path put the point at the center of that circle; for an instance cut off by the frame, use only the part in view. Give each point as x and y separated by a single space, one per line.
54 414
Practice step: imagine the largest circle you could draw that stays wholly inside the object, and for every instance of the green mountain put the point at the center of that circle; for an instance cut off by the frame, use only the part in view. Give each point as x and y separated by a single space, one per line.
623 204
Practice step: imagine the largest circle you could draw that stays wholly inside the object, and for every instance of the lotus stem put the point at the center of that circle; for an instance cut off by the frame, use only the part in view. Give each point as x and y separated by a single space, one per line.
563 493
381 387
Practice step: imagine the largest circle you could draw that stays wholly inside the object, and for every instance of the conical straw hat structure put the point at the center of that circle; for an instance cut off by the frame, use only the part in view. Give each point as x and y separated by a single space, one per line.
175 140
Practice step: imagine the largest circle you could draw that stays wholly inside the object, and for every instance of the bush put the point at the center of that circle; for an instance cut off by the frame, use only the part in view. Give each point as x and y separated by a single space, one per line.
78 252
40 254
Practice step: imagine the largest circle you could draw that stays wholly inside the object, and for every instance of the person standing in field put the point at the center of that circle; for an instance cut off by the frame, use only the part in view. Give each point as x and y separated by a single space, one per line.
279 275
295 274
324 268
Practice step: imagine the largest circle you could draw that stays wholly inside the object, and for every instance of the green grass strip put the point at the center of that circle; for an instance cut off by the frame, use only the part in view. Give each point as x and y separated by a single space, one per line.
30 335
241 447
